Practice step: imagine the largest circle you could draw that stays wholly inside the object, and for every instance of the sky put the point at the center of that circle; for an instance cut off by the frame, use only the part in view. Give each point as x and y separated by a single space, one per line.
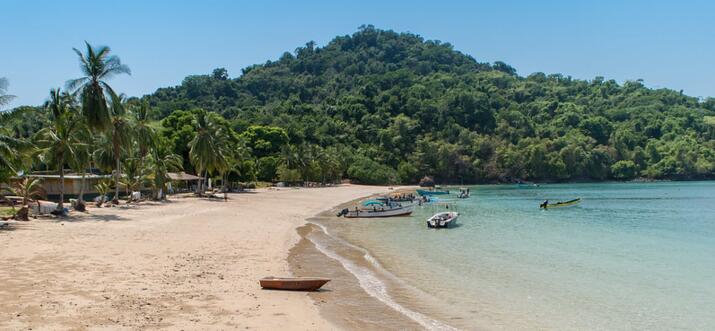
668 44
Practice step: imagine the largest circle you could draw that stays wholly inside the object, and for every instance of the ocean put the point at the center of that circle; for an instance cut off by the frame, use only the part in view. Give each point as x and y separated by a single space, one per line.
629 256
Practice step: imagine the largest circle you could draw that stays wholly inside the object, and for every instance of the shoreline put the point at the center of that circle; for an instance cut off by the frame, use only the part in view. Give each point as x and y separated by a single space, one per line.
185 264
363 295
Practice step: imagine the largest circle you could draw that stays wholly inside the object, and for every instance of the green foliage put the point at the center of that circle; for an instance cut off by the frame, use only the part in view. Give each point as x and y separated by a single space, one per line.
367 171
95 93
288 175
382 107
267 168
624 169
423 108
264 140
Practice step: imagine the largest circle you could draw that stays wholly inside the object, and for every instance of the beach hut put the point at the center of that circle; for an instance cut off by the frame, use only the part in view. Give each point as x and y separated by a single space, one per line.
73 183
187 179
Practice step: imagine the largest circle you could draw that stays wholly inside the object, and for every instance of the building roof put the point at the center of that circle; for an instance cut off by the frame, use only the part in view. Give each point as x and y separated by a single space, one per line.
67 176
183 176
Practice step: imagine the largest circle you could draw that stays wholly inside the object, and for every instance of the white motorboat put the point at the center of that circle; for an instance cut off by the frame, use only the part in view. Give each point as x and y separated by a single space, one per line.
394 209
443 219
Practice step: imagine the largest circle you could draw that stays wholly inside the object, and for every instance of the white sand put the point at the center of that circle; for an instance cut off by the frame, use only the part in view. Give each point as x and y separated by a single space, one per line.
188 264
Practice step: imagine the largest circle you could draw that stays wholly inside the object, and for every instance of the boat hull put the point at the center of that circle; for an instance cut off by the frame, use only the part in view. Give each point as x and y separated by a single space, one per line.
395 212
562 204
293 284
425 192
435 223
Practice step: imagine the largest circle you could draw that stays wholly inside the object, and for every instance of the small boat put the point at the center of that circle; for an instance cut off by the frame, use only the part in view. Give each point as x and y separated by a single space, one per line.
390 210
293 283
547 205
431 192
443 219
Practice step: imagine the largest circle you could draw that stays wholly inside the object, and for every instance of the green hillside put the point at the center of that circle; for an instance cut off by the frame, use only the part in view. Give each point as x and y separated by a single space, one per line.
418 107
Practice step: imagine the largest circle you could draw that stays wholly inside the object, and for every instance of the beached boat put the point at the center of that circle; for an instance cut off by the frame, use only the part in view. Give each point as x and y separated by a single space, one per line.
546 204
431 192
391 210
293 283
443 219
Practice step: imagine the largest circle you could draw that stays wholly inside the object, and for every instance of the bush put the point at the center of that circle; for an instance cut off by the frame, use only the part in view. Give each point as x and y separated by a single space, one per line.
407 173
624 170
289 175
267 167
367 171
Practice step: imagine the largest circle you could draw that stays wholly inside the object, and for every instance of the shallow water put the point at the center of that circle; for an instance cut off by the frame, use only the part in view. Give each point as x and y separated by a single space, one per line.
630 256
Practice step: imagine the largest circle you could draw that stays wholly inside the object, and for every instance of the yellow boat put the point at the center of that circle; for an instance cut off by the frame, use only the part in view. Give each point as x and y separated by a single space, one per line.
547 205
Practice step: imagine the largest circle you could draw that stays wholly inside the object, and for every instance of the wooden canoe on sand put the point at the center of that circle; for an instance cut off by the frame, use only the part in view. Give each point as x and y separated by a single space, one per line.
293 283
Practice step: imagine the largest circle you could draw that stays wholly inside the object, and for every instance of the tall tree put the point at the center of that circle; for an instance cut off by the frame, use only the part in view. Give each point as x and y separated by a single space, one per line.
120 133
58 142
207 151
98 66
4 97
161 162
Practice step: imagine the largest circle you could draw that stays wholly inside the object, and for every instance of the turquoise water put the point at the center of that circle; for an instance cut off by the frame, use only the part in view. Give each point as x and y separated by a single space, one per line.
630 256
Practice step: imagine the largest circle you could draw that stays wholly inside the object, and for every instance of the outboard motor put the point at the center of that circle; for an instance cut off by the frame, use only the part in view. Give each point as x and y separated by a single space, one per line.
343 212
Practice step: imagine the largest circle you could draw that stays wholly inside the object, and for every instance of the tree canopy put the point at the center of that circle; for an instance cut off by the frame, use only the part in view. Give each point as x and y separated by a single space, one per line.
382 107
421 107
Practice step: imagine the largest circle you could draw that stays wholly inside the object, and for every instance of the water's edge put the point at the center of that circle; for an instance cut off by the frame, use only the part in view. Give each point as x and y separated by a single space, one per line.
362 294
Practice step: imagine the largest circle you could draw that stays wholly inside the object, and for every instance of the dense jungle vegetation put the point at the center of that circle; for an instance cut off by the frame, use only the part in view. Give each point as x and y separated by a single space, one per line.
384 107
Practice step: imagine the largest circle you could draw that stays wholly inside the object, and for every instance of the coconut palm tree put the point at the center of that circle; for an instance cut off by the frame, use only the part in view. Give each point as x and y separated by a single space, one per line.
161 162
4 97
59 140
102 188
82 160
144 133
12 151
120 133
94 92
207 151
28 188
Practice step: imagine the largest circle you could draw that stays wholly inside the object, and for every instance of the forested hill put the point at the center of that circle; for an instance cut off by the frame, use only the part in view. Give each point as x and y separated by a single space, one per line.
393 105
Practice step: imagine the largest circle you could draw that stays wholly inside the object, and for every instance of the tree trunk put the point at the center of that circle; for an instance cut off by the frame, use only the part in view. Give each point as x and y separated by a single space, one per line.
60 205
23 214
80 199
116 180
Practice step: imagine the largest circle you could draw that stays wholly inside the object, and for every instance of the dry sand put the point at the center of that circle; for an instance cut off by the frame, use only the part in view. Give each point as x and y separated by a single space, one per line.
186 264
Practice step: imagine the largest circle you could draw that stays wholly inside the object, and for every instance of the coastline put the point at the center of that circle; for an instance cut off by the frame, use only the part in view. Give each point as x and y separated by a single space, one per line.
362 294
184 264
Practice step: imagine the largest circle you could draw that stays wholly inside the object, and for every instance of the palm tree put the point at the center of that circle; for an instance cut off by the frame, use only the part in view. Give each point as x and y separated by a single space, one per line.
4 97
59 140
135 174
82 160
12 151
102 188
145 134
208 149
120 132
97 66
28 188
161 162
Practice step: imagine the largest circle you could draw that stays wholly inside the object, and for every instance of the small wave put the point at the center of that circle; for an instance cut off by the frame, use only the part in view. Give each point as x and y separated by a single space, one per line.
372 285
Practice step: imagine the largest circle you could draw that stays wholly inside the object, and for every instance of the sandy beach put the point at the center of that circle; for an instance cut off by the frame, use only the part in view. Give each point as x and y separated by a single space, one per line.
184 264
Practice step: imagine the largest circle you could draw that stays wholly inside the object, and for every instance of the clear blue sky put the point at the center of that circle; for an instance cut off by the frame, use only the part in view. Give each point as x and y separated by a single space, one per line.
668 44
